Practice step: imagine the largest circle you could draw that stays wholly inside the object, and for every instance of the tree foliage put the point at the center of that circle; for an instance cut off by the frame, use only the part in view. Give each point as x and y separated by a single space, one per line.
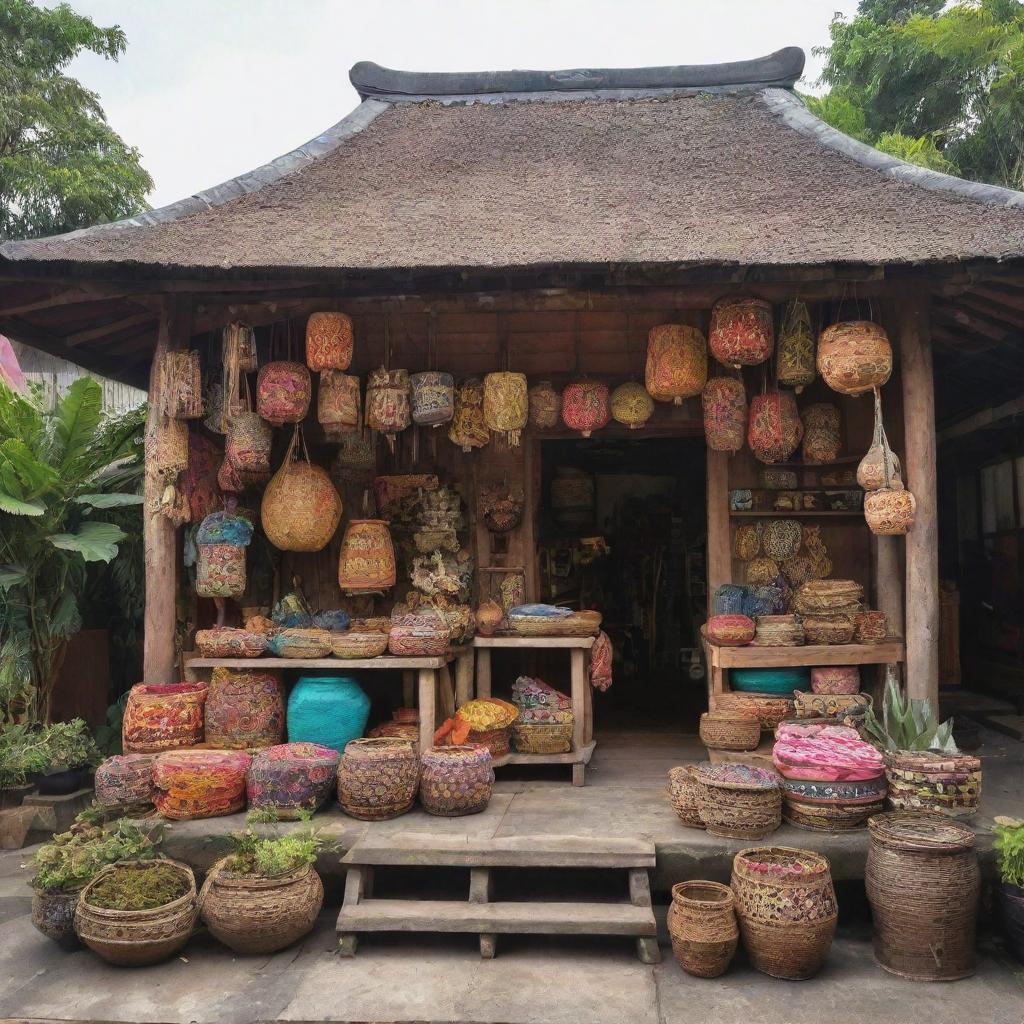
62 166
939 85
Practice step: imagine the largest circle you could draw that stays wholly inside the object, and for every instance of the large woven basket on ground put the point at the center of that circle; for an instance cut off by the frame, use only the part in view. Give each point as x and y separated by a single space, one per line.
702 926
922 881
729 730
378 778
738 801
134 938
254 915
456 780
684 794
786 907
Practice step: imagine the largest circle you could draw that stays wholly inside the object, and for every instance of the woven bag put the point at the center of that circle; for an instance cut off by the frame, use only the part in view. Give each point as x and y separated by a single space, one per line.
166 447
822 433
329 341
545 404
781 538
677 362
388 408
795 353
585 406
301 508
631 405
746 543
724 404
854 356
742 332
366 562
338 401
247 438
468 429
433 398
181 385
775 429
890 509
283 391
506 404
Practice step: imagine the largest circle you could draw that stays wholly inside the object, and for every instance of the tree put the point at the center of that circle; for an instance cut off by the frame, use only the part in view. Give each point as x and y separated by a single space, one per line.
58 470
936 84
62 166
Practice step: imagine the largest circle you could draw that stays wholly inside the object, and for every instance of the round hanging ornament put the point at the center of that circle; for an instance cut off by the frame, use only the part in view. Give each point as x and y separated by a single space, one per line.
677 362
854 356
585 406
742 333
506 404
468 429
328 341
631 405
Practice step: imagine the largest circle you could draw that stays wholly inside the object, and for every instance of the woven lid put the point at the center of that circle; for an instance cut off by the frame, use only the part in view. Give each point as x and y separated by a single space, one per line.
903 830
735 774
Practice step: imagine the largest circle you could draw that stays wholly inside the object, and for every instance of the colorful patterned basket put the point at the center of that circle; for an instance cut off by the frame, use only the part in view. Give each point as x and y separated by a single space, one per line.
769 710
730 630
291 778
947 784
228 642
506 404
200 783
787 911
781 538
247 442
301 643
677 362
162 717
738 801
125 780
870 627
854 356
220 570
702 926
746 542
724 405
338 401
244 710
456 780
329 341
631 405
761 571
775 428
355 644
545 406
742 331
585 406
468 429
684 794
835 679
366 562
388 408
728 730
418 641
378 778
283 391
433 398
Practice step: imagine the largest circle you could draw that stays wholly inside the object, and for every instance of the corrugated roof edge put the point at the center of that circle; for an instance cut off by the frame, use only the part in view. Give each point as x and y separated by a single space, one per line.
792 112
782 68
251 181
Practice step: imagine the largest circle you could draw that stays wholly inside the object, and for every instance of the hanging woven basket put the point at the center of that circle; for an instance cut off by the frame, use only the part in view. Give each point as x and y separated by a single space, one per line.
388 408
181 385
880 467
468 429
795 352
585 406
854 356
775 430
889 509
631 405
822 432
338 401
301 508
677 362
506 405
433 398
328 341
724 403
742 332
366 564
283 391
545 405
166 447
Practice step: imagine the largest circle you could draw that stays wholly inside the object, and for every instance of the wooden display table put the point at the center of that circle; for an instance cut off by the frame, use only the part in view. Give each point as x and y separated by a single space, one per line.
428 672
582 700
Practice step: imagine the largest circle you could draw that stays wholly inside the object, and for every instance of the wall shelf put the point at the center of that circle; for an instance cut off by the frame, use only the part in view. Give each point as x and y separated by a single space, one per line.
781 514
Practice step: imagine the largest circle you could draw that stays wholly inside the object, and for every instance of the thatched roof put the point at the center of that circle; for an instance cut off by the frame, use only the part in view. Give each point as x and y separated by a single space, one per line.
706 166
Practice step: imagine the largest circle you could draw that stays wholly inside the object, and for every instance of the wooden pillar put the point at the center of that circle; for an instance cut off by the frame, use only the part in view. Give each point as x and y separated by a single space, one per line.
719 545
888 576
159 536
922 551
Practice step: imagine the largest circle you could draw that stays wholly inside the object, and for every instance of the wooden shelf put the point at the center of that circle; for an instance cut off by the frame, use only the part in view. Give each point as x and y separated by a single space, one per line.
581 756
802 514
843 460
890 652
527 642
385 661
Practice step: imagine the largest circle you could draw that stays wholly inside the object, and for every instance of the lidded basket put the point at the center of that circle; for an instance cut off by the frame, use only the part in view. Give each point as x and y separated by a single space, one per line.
378 778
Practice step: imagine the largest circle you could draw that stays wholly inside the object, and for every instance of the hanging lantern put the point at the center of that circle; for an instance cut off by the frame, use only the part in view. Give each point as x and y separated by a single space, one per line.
366 564
468 429
301 508
387 403
545 405
741 331
724 401
795 355
248 438
328 341
775 430
585 406
283 391
433 398
854 356
677 362
506 404
338 402
181 385
822 433
632 405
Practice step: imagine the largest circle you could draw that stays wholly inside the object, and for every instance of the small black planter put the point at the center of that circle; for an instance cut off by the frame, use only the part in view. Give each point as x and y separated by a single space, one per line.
1010 899
61 783
14 796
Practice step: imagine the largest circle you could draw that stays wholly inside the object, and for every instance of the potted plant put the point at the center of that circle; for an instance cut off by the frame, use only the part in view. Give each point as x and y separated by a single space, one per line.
72 859
923 766
71 753
23 759
266 894
1009 844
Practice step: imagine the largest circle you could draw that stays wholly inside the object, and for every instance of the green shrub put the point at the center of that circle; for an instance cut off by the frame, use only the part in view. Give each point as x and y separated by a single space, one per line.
1009 844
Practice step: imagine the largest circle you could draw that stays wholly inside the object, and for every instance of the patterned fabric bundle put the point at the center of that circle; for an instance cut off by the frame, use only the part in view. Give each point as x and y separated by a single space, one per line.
301 508
125 780
761 571
730 630
764 600
545 404
870 627
506 405
221 541
356 460
468 428
387 403
822 433
585 406
632 406
378 778
677 362
338 401
331 710
601 662
283 391
539 702
200 783
729 599
291 778
162 717
181 386
244 709
824 752
227 642
795 355
366 563
781 538
775 430
328 341
854 356
724 403
433 398
742 332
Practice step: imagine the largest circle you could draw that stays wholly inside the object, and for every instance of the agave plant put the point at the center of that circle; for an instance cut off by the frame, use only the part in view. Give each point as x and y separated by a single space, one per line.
909 725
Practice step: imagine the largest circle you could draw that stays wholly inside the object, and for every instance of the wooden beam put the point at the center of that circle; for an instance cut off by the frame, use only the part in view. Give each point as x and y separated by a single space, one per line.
993 310
160 537
972 322
719 542
1012 299
114 327
922 546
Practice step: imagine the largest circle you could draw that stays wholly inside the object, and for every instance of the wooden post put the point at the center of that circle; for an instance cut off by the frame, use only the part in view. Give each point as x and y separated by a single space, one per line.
922 584
888 574
719 565
159 536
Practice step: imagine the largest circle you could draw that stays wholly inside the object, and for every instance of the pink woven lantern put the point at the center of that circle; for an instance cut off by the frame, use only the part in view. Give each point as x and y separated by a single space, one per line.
724 401
741 332
775 429
585 406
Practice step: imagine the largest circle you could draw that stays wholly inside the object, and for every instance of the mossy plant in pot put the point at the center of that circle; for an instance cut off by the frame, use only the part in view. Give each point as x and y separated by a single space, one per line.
1009 844
266 894
72 751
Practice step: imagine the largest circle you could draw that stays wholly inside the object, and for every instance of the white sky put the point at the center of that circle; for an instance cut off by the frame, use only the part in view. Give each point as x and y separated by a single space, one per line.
210 89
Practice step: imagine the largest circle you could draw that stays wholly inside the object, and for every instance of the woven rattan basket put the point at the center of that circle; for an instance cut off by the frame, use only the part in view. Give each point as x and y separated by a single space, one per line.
684 794
768 709
358 644
225 642
702 926
729 730
738 801
542 737
582 623
378 778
